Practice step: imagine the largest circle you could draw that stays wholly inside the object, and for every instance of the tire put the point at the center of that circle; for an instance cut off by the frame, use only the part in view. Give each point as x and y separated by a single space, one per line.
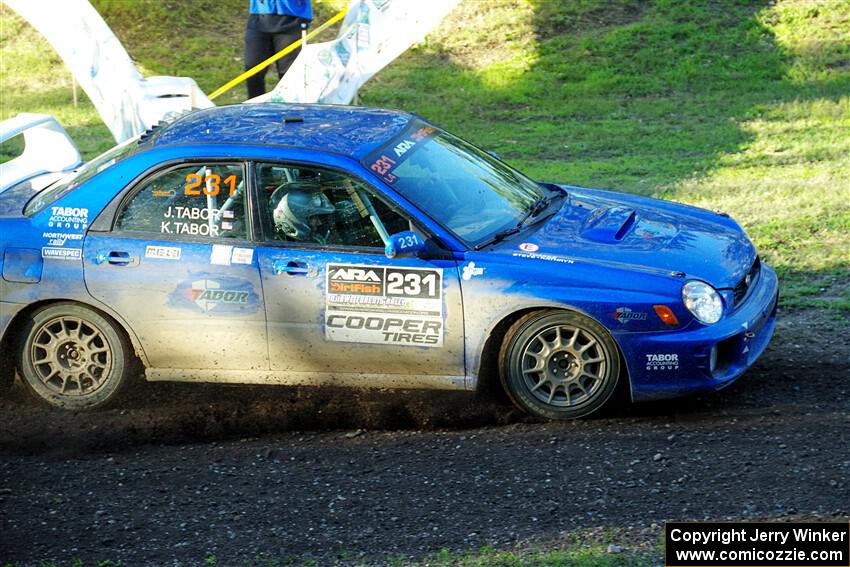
74 358
559 365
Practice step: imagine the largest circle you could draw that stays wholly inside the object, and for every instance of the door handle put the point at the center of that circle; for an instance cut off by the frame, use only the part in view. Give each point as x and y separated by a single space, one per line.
116 258
291 268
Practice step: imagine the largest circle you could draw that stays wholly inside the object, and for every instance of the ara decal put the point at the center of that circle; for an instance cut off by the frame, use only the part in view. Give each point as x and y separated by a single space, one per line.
384 305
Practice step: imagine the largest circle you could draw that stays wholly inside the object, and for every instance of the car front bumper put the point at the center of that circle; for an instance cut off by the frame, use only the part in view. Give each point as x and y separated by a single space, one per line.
678 363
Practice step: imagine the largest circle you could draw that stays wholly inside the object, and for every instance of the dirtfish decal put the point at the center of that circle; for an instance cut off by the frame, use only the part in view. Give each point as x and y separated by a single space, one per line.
384 305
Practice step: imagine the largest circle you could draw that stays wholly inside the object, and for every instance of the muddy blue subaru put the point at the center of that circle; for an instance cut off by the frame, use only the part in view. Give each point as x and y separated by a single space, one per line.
309 244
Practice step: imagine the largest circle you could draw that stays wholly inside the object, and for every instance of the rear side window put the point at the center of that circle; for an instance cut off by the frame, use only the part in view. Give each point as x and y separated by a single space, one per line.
80 176
199 200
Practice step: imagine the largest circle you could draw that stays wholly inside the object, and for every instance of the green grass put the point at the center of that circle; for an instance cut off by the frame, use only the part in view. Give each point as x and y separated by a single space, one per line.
579 556
734 105
590 556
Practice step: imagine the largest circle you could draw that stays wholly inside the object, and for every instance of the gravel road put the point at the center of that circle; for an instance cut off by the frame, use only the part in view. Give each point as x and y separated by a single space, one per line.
250 475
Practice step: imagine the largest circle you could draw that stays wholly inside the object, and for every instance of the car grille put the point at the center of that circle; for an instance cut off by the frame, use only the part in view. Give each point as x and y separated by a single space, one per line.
748 281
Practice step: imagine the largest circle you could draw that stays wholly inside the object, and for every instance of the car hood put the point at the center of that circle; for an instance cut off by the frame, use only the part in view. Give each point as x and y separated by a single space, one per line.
640 233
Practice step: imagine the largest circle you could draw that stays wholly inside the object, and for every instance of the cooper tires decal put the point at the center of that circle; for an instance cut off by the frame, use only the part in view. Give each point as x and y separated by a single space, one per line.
384 305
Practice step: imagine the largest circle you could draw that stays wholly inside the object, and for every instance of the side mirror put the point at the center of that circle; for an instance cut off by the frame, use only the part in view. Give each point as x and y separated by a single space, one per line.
405 244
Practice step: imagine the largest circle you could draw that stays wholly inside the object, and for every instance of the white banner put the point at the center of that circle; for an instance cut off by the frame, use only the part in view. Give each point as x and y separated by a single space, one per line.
373 33
127 103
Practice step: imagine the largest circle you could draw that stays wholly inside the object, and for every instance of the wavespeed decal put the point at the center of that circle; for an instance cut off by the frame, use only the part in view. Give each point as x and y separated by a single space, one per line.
381 305
62 253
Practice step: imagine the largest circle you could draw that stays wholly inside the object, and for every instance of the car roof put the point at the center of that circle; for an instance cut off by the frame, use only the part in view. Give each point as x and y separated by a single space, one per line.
348 130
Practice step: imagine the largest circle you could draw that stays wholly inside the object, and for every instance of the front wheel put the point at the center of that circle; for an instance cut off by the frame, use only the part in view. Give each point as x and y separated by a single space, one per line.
559 365
74 358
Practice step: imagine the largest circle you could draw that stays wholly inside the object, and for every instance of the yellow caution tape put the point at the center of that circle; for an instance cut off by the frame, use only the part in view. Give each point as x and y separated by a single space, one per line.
282 53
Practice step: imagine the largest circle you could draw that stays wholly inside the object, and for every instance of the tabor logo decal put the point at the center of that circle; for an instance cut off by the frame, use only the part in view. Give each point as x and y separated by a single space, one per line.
217 295
208 294
471 270
623 315
68 217
529 247
662 361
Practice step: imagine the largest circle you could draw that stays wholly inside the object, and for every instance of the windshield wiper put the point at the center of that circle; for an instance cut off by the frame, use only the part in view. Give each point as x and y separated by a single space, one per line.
536 206
499 236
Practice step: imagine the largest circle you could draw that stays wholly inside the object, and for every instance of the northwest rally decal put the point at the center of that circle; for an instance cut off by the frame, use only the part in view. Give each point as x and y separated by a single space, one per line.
381 305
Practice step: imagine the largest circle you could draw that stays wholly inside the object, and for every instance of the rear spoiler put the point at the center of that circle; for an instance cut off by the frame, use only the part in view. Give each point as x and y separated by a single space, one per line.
47 148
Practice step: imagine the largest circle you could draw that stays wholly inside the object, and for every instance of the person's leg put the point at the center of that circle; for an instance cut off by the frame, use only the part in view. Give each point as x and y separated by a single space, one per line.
282 40
258 48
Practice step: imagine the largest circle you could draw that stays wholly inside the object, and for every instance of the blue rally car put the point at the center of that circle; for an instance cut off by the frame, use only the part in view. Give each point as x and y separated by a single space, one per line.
301 244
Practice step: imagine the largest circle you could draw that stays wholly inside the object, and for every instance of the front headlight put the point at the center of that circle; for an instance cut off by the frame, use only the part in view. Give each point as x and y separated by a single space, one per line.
703 301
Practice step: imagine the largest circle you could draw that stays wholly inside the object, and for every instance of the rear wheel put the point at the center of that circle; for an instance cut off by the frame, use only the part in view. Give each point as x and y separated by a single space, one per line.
73 357
559 365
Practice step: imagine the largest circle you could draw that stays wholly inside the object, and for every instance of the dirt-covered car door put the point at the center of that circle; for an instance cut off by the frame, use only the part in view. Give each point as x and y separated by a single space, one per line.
179 267
338 309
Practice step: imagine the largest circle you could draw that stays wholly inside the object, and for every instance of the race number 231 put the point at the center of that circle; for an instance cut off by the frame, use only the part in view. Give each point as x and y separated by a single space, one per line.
209 184
413 284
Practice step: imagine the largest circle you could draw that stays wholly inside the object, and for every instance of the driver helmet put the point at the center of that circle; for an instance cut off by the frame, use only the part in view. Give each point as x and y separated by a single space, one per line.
297 214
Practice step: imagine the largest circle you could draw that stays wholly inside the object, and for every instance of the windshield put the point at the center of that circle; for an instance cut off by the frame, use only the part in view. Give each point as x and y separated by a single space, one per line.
470 193
77 177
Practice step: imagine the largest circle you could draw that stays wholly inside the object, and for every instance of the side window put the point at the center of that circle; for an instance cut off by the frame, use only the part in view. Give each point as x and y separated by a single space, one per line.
193 200
301 204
